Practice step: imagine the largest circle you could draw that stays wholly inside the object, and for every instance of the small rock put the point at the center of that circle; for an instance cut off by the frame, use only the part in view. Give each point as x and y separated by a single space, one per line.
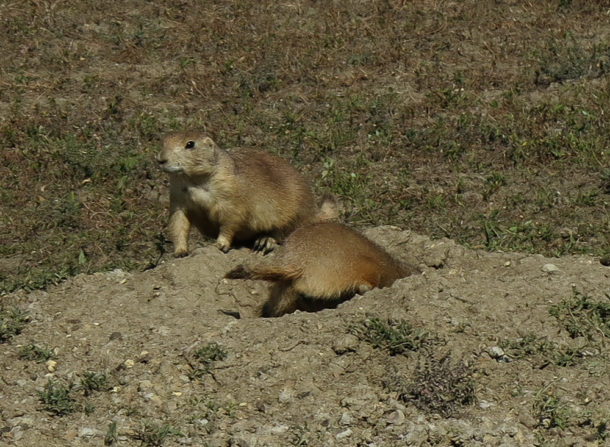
485 404
87 432
51 365
344 434
396 417
496 352
550 268
144 385
347 343
115 336
129 363
286 395
346 419
279 429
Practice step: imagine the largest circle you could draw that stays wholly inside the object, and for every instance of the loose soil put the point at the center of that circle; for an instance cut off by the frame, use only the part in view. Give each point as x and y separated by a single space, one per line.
305 378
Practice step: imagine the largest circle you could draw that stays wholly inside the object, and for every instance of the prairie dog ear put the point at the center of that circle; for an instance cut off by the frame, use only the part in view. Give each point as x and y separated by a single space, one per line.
207 141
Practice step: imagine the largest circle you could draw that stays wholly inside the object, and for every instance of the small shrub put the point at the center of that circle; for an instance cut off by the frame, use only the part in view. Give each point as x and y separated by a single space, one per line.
56 398
438 385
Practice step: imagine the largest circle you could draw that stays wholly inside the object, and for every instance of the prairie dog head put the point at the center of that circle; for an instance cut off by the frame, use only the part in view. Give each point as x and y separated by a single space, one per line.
189 153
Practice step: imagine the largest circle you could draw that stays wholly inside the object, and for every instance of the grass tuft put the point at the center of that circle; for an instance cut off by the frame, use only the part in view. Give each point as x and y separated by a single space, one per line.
397 337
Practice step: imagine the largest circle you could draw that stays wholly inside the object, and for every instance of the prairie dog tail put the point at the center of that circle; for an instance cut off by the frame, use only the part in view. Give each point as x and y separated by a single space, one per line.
265 272
329 209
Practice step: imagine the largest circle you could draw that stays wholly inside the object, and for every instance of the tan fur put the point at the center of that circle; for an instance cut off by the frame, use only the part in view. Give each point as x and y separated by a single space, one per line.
320 265
238 194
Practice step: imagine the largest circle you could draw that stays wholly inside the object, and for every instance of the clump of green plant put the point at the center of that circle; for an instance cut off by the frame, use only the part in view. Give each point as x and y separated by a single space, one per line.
204 357
154 435
91 381
111 435
397 337
583 317
56 398
12 322
36 353
438 385
550 410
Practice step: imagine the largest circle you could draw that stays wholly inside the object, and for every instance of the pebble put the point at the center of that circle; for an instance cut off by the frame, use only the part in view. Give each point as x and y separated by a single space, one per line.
285 396
396 417
344 434
497 353
279 429
346 419
87 432
550 268
347 343
51 365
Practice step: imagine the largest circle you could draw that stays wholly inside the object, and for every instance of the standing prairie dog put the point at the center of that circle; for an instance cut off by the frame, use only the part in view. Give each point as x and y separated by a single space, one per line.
320 265
238 194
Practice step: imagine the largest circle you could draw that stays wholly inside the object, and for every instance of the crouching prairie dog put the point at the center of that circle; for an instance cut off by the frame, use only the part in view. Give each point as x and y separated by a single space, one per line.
238 194
321 265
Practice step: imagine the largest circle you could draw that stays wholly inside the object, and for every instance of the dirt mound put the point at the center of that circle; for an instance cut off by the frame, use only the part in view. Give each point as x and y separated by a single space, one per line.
479 349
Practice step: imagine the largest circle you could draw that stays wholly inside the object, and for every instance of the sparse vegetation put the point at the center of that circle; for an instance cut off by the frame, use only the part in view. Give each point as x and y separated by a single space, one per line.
91 381
12 322
438 385
36 353
111 437
397 337
57 398
155 435
204 358
583 317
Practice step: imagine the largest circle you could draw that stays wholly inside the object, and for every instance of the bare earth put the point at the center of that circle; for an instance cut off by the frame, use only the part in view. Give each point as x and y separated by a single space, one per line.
305 379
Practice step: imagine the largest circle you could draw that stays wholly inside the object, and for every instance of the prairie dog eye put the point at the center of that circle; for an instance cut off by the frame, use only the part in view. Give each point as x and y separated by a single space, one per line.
189 144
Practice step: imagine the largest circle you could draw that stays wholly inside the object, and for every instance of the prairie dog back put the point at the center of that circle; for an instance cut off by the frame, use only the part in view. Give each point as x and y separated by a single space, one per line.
238 194
321 264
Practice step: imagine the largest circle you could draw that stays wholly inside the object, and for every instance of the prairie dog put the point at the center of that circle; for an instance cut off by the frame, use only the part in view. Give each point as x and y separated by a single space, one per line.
232 195
320 265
